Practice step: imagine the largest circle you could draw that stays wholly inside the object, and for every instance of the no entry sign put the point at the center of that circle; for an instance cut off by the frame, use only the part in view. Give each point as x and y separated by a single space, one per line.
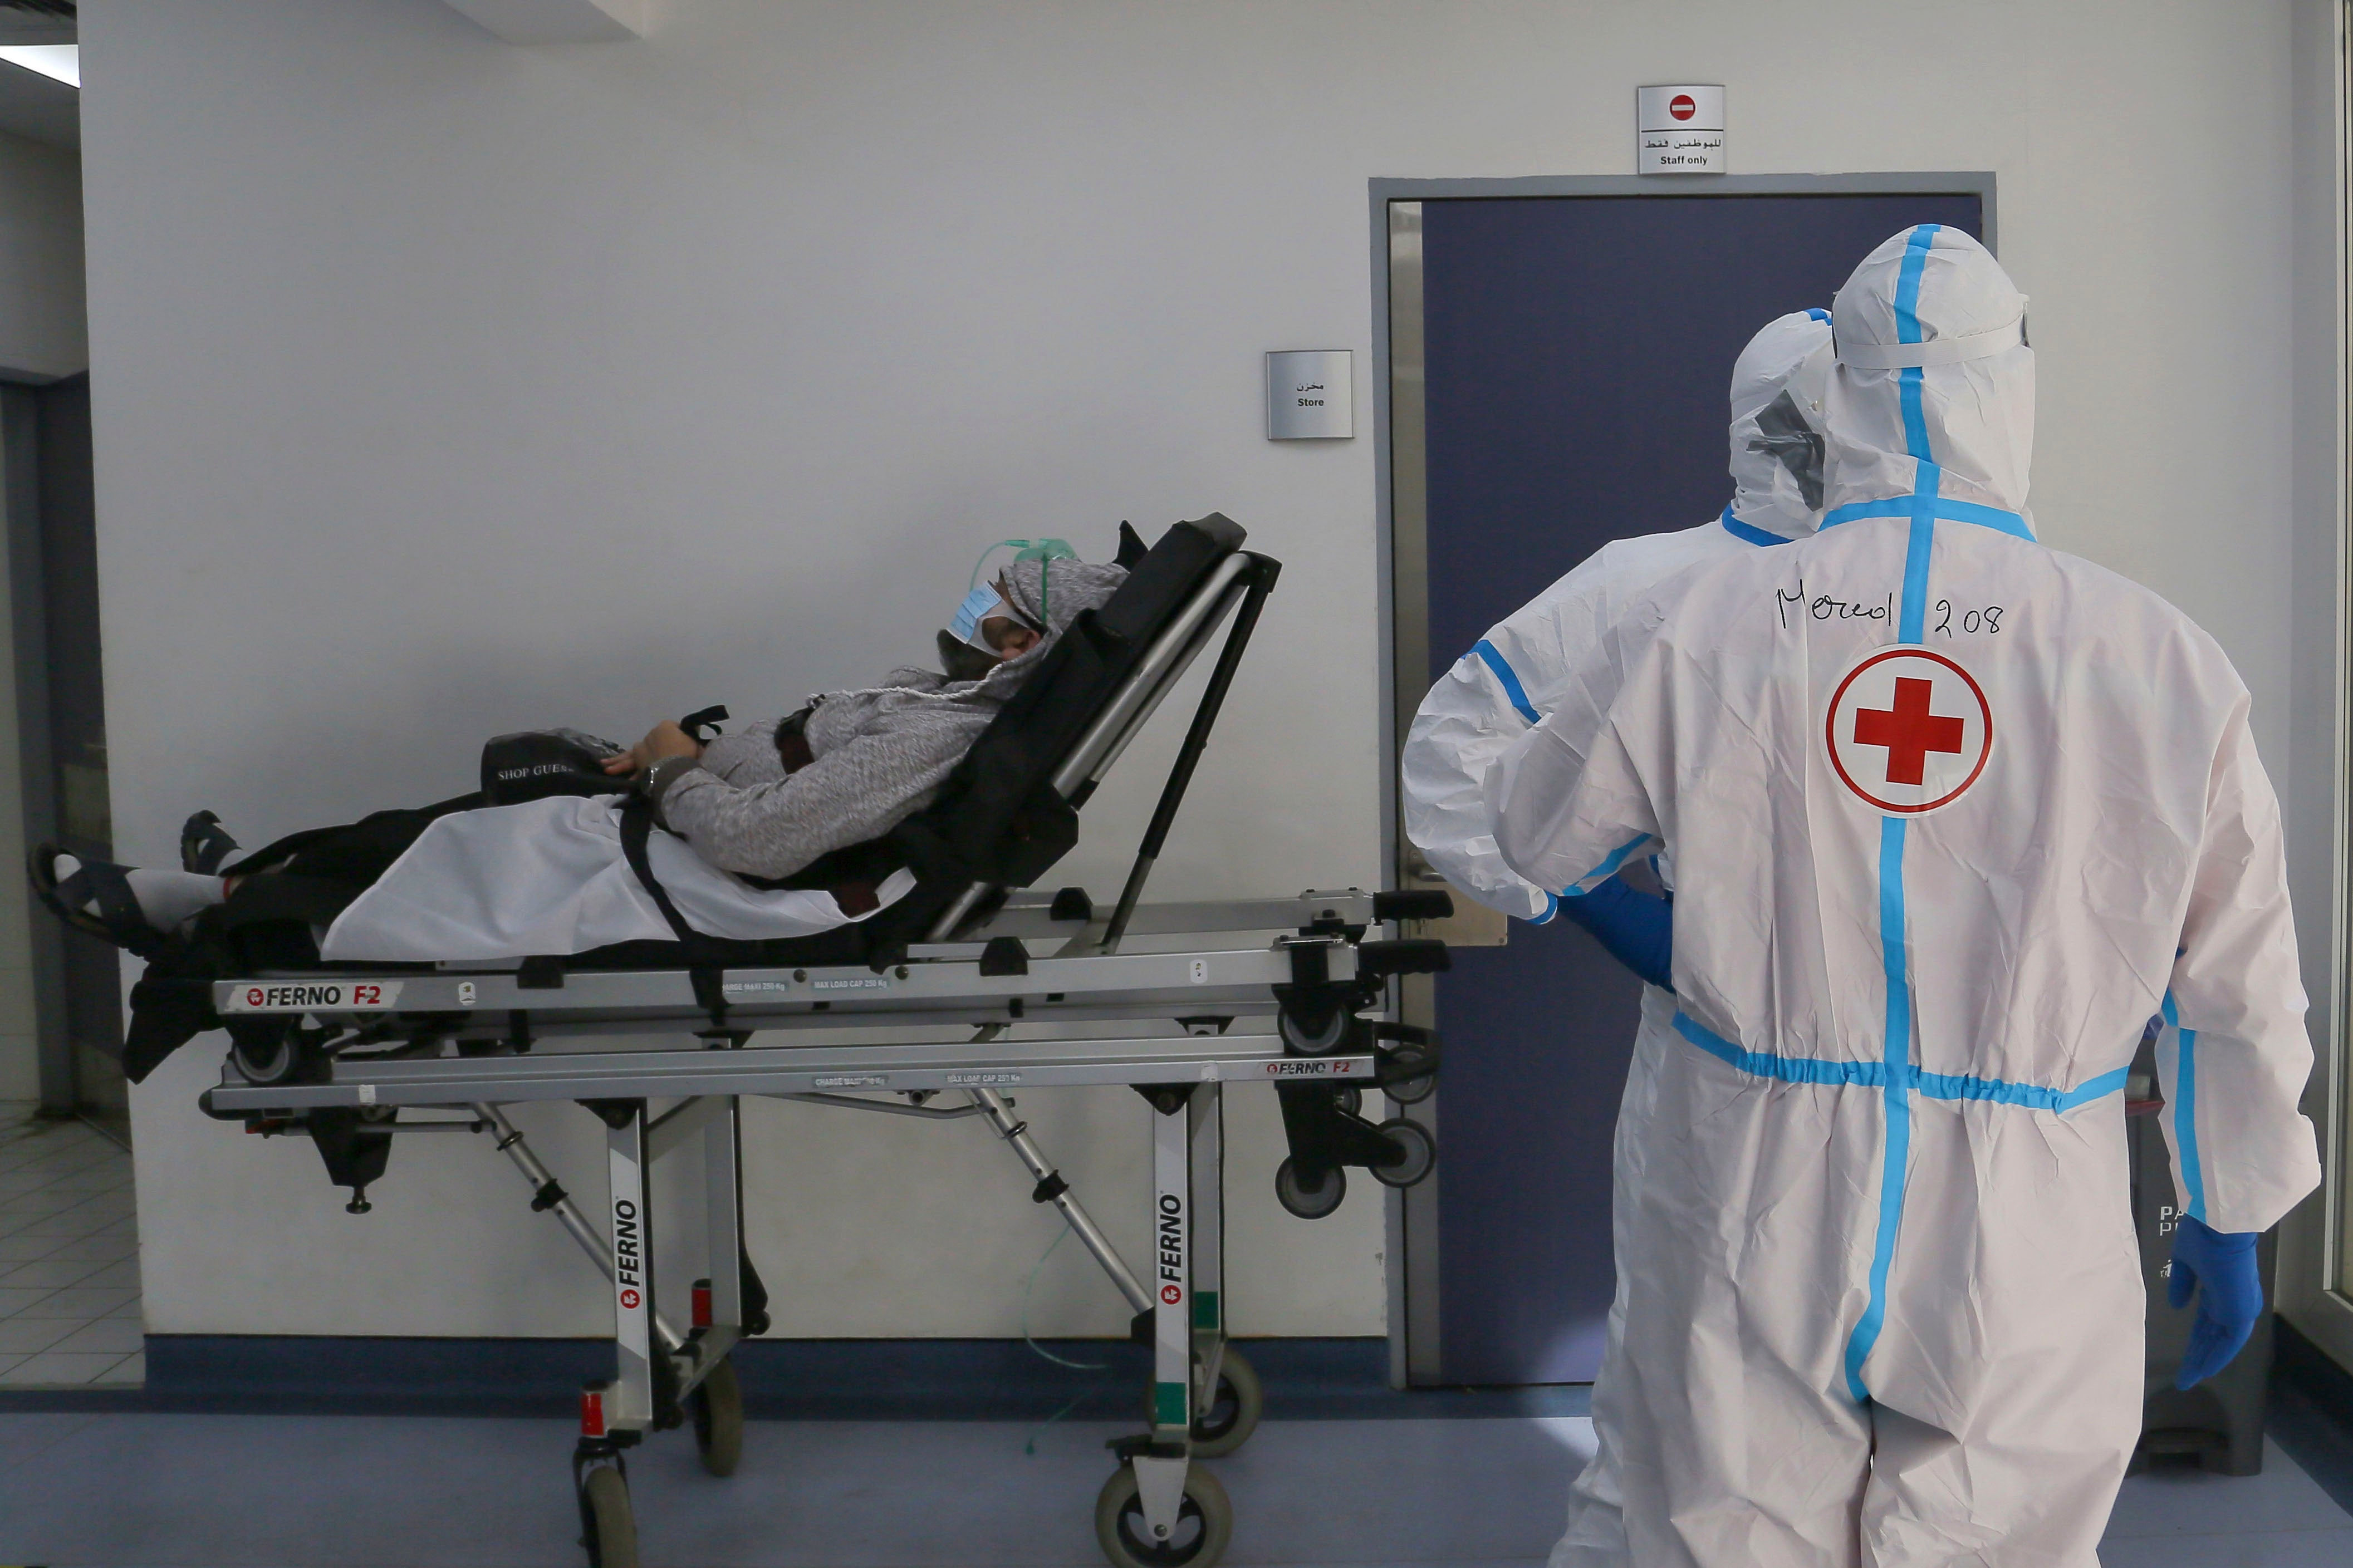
1679 129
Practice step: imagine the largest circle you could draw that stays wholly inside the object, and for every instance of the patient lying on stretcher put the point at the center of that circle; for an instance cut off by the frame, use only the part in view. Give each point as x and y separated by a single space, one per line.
764 827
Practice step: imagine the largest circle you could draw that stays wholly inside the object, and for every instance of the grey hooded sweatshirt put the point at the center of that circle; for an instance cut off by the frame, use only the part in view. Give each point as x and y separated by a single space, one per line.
878 756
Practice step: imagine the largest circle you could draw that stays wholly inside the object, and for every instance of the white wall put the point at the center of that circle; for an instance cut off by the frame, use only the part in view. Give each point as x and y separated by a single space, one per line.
446 387
42 335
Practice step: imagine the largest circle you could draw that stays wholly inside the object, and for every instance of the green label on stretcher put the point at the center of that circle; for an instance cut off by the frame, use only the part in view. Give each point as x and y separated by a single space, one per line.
1168 1405
1205 1308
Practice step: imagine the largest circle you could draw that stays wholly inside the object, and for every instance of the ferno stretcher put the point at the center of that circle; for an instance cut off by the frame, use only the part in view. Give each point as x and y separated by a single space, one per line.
964 990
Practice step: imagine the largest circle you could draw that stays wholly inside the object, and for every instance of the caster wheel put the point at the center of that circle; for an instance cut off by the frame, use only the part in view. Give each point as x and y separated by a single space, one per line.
1204 1522
1309 1203
1410 1090
1420 1151
1319 1042
1233 1411
717 1406
269 1051
1414 1090
1349 1099
612 1540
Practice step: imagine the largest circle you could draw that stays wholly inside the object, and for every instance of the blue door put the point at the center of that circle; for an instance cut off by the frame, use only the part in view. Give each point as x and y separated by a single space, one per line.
1578 350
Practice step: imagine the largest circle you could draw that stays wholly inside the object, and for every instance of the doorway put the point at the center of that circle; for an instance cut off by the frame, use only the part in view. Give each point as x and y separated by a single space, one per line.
70 1302
45 478
1558 355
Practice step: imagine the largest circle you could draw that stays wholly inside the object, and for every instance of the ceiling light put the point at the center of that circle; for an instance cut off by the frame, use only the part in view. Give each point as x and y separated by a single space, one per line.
59 61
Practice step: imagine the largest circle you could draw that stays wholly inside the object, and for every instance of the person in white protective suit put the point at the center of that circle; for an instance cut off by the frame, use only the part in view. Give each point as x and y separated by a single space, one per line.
1513 676
1506 681
1951 814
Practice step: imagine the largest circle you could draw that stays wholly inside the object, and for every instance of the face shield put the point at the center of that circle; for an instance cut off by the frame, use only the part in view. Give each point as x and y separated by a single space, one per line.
1023 549
967 652
1787 431
1778 451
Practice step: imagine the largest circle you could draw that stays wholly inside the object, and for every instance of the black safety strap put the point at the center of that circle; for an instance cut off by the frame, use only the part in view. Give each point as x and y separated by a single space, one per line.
701 971
703 718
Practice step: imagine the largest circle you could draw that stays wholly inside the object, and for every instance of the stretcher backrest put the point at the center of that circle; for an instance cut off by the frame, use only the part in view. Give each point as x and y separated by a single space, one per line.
1009 809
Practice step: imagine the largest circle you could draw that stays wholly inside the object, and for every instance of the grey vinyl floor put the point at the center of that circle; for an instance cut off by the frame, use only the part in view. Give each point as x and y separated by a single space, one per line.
206 1491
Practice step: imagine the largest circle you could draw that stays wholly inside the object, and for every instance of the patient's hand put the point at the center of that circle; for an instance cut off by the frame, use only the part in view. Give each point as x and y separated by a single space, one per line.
664 739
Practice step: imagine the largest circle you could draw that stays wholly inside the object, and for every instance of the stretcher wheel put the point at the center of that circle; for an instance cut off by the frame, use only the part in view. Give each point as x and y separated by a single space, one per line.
1205 1523
1233 1409
1410 1090
1309 1202
1415 1089
717 1406
612 1540
1420 1150
1349 1098
269 1051
1316 1042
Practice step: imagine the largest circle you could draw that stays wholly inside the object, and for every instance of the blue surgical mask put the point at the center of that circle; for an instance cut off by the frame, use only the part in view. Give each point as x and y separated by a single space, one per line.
978 606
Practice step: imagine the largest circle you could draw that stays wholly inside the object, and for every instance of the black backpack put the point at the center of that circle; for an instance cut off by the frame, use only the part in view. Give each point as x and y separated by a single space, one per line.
532 764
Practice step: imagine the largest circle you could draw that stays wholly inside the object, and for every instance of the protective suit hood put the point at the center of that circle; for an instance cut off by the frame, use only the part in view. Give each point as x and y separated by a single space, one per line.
1779 385
1932 363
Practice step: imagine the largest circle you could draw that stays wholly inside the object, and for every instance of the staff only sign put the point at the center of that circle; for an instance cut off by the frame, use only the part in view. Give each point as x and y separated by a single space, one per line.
1679 131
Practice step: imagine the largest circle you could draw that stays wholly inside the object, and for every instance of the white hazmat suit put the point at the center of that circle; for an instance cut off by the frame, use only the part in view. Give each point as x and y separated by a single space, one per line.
1951 814
1514 675
1508 680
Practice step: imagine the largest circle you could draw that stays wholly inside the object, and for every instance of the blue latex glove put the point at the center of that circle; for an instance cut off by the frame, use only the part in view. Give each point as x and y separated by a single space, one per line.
1637 929
2221 1267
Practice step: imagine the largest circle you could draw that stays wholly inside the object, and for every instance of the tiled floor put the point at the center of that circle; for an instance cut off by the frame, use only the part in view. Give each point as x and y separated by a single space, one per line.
213 1492
69 1307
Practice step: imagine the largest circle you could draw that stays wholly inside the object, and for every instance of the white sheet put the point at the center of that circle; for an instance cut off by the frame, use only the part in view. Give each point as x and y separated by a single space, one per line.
548 877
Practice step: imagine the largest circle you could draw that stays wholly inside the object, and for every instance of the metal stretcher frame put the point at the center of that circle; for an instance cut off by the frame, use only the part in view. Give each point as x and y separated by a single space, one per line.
477 1038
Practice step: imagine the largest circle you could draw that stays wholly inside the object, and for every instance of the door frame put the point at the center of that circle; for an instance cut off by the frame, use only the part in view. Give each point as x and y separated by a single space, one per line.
27 607
1401 515
2314 1286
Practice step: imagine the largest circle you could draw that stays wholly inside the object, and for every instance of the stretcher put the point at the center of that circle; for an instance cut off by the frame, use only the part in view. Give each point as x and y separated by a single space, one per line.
962 993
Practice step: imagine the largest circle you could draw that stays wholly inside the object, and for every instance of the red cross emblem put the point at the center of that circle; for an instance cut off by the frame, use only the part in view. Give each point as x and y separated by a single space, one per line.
1909 730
